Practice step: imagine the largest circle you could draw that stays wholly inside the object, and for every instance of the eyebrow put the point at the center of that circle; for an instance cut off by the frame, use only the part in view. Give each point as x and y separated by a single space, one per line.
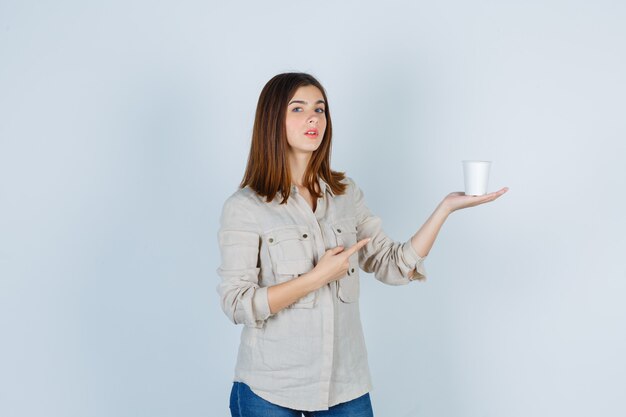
304 102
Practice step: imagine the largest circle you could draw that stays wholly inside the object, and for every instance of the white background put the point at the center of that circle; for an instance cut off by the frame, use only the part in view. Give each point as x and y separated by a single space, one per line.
125 125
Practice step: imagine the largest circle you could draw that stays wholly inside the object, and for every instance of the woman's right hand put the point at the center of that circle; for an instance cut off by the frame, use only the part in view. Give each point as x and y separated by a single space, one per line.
334 263
331 266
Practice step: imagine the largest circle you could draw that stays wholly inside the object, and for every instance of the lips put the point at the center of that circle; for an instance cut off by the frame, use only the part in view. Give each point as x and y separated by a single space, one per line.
311 133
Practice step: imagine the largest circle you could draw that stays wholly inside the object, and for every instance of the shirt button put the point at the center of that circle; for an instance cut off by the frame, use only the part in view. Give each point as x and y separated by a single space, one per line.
338 230
305 235
352 270
270 239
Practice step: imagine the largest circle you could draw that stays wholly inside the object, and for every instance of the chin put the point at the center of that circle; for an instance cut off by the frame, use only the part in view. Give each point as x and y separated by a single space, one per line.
306 148
310 147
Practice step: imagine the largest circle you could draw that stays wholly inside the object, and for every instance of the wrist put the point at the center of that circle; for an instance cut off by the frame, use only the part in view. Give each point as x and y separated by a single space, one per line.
314 280
444 208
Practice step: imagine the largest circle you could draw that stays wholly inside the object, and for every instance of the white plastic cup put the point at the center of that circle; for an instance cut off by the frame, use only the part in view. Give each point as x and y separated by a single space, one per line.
476 174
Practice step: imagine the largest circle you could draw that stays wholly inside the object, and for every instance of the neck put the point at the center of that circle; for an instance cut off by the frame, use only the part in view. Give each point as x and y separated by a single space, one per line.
298 161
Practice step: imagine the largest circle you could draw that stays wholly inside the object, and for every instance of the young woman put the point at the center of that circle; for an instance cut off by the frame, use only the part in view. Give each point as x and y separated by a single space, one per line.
293 238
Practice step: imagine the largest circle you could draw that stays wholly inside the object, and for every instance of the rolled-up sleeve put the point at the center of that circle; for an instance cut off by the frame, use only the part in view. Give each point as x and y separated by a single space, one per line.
394 263
241 297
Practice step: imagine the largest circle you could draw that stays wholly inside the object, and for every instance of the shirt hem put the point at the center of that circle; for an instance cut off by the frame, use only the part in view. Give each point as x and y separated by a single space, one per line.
280 401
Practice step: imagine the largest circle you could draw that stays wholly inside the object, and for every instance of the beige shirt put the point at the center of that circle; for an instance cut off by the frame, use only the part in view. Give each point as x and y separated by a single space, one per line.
310 355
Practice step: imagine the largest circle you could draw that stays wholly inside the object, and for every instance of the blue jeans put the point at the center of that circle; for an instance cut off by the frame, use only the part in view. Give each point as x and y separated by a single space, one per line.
245 403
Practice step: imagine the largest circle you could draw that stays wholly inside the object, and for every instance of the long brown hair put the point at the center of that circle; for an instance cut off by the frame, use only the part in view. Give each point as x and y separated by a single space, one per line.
267 171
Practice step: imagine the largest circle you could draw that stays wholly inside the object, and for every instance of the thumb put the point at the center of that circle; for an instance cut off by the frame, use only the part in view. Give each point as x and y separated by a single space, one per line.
336 250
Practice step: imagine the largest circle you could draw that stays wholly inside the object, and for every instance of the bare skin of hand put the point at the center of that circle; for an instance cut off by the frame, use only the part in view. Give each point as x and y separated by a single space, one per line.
458 200
424 238
334 263
331 266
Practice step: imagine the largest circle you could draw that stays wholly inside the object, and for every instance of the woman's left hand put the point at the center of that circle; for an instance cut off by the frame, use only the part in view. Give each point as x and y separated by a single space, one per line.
458 200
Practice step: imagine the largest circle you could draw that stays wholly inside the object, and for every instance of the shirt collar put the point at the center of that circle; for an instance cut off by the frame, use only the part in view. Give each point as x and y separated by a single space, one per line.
324 187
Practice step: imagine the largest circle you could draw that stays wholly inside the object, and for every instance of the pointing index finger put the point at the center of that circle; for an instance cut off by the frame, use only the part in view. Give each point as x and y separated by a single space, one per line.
357 246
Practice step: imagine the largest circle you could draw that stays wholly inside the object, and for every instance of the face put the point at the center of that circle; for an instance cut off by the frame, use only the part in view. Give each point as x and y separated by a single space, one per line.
306 119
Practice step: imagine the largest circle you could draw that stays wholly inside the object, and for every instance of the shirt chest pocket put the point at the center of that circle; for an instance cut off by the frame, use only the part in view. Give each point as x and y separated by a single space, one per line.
291 250
348 285
289 243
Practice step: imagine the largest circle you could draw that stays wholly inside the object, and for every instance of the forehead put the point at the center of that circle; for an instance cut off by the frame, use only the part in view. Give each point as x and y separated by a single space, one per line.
308 93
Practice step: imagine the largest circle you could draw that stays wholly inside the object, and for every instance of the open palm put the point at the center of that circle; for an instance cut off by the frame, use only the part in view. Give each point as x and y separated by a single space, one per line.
458 200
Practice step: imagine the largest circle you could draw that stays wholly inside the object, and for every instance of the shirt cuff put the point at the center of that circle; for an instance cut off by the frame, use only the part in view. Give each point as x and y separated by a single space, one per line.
261 306
415 262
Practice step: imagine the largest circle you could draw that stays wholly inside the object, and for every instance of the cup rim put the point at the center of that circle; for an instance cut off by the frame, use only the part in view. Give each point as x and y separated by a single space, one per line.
476 161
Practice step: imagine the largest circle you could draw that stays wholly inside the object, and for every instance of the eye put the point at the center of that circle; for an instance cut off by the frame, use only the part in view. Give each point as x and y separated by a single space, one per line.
320 110
296 109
